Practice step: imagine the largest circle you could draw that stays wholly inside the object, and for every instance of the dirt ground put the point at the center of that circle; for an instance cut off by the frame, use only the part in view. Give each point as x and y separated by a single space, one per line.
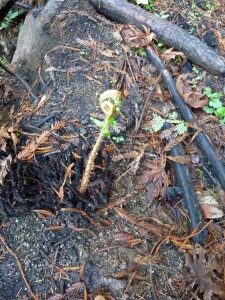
116 243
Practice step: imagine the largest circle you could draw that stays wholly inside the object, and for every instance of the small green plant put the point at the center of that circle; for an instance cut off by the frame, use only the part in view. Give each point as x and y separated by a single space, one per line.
118 139
209 6
110 102
195 70
11 16
198 73
113 81
83 53
141 52
215 105
161 47
2 61
157 123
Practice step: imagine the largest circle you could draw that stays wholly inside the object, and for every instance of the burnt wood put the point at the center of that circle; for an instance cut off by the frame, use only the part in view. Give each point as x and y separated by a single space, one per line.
170 34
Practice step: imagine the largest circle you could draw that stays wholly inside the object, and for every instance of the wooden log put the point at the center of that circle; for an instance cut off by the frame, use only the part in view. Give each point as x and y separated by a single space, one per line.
170 34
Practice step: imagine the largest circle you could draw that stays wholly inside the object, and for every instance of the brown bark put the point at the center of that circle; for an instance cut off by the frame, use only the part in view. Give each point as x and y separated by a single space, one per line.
172 35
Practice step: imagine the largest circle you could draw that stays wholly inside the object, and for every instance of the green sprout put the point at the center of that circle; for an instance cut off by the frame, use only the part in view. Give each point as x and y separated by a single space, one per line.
110 102
11 16
215 105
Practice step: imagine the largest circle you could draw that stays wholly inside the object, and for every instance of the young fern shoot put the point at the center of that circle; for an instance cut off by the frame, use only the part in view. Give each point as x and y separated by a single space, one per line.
110 101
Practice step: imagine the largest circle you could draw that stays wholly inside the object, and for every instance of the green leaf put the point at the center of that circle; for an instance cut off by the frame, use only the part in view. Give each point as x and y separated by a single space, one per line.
173 116
117 102
157 123
105 131
165 16
14 15
222 121
97 122
208 110
117 110
207 91
215 103
111 120
5 24
181 128
220 112
160 44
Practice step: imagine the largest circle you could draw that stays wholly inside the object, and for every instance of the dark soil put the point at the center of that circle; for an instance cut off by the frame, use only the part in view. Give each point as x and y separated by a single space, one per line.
68 254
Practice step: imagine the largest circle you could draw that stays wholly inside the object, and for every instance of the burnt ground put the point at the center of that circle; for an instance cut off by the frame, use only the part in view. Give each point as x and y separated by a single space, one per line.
116 240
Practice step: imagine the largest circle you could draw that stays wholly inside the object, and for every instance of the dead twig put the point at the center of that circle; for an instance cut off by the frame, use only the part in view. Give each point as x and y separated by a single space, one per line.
24 83
20 268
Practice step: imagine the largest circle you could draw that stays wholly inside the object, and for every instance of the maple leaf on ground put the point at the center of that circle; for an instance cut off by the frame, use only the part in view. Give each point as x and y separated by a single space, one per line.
192 96
202 271
156 182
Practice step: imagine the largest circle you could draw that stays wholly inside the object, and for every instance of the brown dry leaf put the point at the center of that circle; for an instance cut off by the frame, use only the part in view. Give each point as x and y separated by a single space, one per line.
132 154
156 182
85 293
125 215
3 144
58 125
150 228
55 227
57 297
43 214
170 54
73 268
135 38
67 173
14 139
28 152
78 286
112 204
180 159
202 269
4 167
186 91
220 39
80 229
82 268
4 133
149 175
123 237
211 212
84 214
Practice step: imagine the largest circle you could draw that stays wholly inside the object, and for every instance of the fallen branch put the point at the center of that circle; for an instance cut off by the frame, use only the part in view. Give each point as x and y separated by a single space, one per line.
19 78
182 174
201 139
172 35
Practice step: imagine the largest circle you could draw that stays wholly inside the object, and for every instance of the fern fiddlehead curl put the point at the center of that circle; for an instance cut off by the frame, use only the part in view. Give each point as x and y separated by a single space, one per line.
109 101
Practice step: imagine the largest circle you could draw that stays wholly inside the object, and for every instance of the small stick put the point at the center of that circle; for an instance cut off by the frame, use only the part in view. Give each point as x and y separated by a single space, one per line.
20 268
19 78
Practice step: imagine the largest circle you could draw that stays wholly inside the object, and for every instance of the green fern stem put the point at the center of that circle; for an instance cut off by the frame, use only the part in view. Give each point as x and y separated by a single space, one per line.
109 101
91 159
